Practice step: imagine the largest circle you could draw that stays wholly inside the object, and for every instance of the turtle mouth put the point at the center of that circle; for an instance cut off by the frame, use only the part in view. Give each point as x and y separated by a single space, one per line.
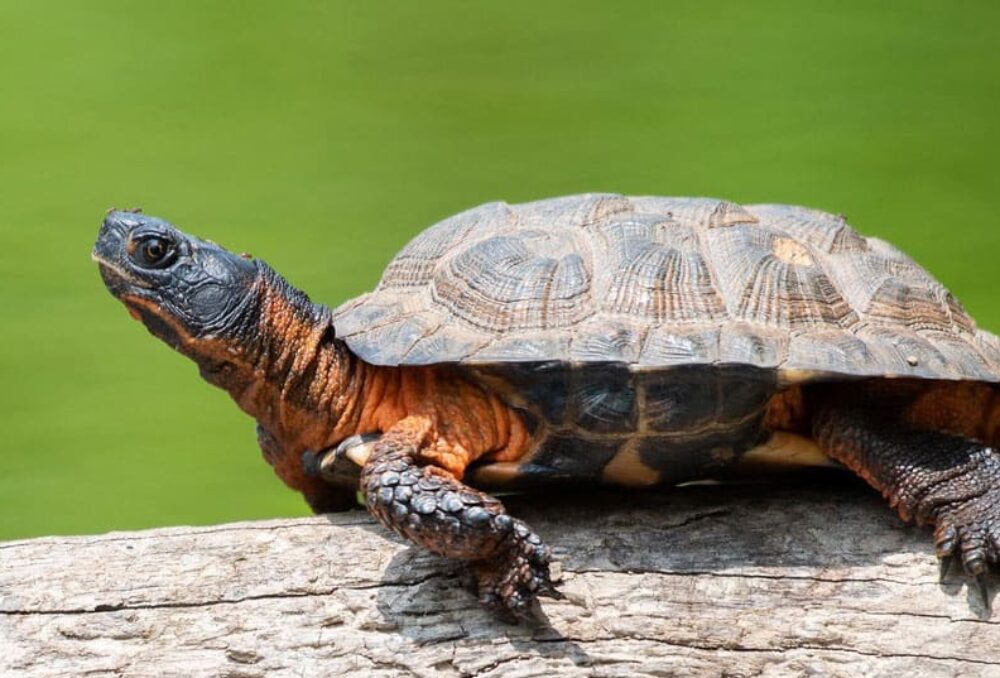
138 301
124 286
117 279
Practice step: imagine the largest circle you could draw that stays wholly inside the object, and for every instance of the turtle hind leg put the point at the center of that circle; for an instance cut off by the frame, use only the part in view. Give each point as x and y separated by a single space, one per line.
933 478
428 506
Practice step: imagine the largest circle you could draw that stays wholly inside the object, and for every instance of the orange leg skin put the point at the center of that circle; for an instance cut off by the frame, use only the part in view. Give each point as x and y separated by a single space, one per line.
428 506
933 478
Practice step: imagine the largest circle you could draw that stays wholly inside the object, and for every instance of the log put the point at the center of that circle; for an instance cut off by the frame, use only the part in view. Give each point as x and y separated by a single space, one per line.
739 581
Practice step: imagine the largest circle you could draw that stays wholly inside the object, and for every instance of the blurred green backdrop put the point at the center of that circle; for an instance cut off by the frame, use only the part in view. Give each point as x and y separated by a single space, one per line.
323 135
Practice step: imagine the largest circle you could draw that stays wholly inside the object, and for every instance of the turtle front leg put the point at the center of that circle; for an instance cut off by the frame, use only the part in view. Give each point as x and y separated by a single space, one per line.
429 506
933 478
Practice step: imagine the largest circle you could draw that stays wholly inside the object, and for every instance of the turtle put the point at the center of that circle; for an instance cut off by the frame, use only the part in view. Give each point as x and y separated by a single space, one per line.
588 340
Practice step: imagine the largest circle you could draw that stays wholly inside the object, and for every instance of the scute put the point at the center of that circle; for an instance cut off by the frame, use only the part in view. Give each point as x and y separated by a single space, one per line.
415 264
770 279
532 279
655 282
826 232
657 272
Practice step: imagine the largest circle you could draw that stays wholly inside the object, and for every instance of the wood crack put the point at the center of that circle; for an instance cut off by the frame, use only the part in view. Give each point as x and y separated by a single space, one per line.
728 647
120 607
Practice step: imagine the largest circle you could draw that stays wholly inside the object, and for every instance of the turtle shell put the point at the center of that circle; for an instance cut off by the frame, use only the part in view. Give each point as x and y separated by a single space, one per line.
656 283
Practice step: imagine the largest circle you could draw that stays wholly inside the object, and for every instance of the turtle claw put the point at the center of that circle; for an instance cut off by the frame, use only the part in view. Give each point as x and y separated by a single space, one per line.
966 532
511 582
984 592
977 582
945 563
553 593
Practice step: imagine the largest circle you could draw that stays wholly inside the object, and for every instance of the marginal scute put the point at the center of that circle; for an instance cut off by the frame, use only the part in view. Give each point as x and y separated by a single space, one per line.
446 340
349 307
902 352
525 348
657 282
988 346
745 344
603 338
955 351
392 342
833 352
666 346
364 317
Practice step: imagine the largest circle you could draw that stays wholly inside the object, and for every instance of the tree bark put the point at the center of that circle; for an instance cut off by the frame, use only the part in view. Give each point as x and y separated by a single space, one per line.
738 581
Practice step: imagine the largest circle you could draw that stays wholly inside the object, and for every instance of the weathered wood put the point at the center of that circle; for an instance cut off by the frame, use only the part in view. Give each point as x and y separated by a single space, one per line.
703 581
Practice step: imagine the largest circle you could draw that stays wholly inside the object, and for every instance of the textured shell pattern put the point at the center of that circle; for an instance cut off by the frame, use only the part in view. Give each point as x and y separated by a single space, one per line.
661 282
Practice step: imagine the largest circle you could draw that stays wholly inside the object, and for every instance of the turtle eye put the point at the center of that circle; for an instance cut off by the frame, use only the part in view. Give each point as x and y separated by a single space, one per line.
154 252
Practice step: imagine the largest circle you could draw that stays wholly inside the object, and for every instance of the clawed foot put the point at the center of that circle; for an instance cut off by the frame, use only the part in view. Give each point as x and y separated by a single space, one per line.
431 507
965 509
969 530
510 581
932 477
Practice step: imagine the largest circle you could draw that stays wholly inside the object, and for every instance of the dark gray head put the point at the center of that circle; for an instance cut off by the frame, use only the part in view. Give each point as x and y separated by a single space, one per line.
184 289
248 330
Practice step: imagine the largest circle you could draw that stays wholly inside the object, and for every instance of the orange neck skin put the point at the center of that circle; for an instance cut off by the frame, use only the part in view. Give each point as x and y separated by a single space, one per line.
309 392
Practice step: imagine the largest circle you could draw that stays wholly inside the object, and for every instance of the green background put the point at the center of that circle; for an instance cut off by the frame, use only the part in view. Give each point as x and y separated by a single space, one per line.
322 136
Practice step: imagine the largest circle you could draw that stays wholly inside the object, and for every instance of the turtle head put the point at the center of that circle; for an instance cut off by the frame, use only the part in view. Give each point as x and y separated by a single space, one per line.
249 331
186 291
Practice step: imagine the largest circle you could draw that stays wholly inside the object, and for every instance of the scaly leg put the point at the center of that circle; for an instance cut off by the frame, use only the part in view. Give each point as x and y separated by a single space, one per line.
428 506
933 478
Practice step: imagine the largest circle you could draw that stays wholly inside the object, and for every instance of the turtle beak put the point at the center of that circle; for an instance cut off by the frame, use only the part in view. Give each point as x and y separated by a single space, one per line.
111 251
111 239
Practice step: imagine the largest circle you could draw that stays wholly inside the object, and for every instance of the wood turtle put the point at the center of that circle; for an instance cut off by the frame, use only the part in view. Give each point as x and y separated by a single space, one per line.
589 339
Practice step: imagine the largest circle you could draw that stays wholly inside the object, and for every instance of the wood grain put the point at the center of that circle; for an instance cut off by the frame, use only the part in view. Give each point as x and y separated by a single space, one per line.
822 580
